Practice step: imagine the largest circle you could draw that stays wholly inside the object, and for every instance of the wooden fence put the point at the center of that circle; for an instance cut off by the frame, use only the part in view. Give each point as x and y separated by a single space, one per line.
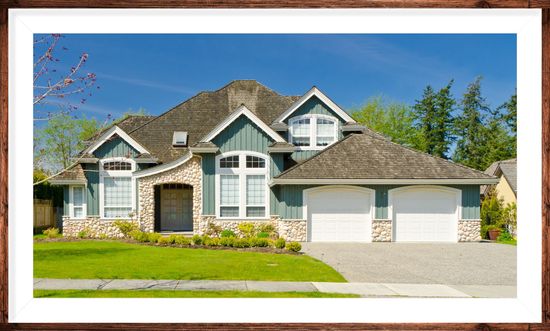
44 213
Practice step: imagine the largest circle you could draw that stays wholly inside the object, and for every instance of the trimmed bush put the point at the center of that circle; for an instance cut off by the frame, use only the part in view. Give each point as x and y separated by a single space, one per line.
181 240
196 240
164 241
153 237
262 235
103 236
227 241
51 232
125 227
85 233
262 242
241 243
247 229
280 243
227 234
214 242
294 246
267 228
135 234
172 238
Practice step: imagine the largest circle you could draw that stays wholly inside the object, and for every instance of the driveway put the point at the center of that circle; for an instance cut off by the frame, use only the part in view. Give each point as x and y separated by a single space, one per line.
430 263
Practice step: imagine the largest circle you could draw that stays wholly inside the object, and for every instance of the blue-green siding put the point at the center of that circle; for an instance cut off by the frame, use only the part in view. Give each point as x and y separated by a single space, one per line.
290 199
65 201
92 199
117 147
208 184
313 106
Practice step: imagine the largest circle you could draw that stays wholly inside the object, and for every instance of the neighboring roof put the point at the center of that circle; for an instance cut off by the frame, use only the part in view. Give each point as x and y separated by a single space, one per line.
74 174
365 156
507 168
314 91
203 112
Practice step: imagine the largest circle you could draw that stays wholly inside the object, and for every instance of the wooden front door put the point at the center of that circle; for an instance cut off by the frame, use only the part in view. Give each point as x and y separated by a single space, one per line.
176 208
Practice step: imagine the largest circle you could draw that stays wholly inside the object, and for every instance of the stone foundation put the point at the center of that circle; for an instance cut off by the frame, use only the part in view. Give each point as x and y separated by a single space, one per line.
469 230
188 173
381 230
291 230
93 226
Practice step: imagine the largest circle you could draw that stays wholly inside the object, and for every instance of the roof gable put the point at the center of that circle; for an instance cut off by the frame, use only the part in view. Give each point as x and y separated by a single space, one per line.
316 106
315 92
242 111
108 134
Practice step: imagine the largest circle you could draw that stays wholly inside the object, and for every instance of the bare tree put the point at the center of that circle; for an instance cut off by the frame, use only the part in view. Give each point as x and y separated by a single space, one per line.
54 85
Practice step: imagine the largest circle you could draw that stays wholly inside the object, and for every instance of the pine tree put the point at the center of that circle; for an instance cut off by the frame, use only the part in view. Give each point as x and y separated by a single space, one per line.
433 117
471 147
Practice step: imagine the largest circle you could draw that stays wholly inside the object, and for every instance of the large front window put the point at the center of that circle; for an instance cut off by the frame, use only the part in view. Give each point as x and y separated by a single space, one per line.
117 188
242 185
313 131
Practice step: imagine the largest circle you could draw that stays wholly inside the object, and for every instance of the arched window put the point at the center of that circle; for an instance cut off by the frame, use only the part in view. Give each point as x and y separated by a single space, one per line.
241 185
313 131
117 189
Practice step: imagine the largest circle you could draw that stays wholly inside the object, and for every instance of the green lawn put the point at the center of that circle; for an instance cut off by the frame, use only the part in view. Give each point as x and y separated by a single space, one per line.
182 294
513 242
112 259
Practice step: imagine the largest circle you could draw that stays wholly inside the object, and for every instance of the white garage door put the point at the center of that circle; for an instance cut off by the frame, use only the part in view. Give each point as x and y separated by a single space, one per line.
425 214
339 214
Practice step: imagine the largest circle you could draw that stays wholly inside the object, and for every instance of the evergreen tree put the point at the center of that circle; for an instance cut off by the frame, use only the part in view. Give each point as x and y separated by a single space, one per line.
433 117
471 147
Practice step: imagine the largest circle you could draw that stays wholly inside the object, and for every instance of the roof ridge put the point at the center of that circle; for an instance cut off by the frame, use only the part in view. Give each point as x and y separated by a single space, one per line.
316 155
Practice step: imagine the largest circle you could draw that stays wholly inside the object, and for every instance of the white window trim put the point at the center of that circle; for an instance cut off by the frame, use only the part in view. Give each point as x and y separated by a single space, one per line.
115 173
242 171
312 131
71 202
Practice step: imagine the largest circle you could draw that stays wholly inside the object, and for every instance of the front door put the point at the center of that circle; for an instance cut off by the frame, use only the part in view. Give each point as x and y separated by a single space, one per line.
176 209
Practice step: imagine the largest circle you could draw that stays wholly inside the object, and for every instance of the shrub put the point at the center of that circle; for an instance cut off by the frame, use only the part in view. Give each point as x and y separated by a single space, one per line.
51 232
267 228
103 236
294 246
164 241
84 233
505 236
172 238
227 234
509 217
486 228
213 230
247 229
262 235
262 242
227 241
181 240
206 240
153 237
125 227
280 243
196 240
241 243
491 209
135 234
213 242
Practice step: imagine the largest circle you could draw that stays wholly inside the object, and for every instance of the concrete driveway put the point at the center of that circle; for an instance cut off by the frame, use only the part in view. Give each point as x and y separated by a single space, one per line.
433 263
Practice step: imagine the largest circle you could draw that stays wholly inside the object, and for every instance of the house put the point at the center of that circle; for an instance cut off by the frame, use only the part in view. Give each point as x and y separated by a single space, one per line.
247 153
506 188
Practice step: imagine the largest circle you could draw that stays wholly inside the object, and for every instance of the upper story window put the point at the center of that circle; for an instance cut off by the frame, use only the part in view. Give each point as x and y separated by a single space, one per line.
241 185
117 191
313 131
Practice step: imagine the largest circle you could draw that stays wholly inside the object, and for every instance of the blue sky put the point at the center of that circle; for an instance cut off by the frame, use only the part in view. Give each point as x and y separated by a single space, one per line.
157 72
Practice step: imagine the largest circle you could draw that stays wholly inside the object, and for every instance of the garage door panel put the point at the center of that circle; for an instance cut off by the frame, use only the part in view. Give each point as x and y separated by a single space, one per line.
425 215
339 215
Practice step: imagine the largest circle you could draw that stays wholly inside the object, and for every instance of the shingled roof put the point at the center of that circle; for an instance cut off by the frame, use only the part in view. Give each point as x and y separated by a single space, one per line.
366 156
508 168
200 114
73 174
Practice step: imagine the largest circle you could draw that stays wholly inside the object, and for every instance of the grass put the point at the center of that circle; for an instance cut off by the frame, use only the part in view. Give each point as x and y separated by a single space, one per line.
119 260
182 294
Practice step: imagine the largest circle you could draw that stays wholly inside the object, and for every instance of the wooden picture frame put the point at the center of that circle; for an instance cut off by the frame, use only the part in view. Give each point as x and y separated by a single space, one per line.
545 222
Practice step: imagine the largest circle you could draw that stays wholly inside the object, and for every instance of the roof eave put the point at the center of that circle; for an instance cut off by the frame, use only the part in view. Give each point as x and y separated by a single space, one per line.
375 181
67 181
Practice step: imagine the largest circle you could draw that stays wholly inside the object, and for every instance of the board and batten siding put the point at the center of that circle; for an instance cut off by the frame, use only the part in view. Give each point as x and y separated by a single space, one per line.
313 106
241 135
116 147
291 200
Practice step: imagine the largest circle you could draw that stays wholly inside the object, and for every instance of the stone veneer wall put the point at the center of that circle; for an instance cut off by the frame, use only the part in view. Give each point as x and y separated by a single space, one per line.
94 227
291 230
469 230
188 173
381 230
